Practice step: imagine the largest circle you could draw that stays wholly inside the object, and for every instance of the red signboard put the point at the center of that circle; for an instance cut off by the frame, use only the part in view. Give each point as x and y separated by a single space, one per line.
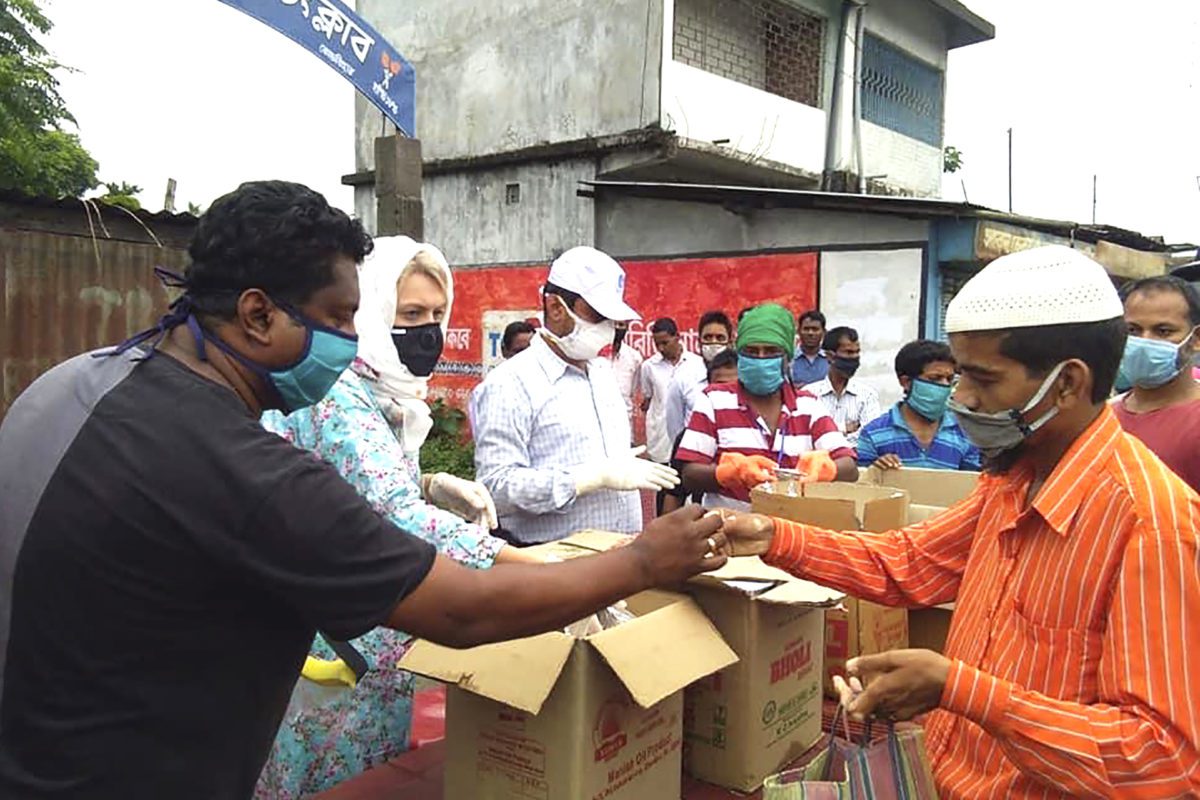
485 300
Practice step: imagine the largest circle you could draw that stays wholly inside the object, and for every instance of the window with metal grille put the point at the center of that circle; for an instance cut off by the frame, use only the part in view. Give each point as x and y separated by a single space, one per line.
953 278
766 44
900 92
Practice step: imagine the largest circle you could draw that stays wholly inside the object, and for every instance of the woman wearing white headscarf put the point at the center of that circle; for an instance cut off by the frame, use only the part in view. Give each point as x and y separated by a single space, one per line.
370 427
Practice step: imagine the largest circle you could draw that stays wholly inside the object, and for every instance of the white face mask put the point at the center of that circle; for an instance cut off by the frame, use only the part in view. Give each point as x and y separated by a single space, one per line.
587 339
710 351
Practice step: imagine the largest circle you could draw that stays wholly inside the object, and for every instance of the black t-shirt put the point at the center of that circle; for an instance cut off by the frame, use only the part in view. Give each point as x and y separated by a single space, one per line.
164 564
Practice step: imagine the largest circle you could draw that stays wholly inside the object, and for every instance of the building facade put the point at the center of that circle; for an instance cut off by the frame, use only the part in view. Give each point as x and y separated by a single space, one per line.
520 100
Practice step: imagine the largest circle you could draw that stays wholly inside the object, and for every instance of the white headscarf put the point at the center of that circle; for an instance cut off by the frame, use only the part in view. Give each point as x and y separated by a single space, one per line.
400 394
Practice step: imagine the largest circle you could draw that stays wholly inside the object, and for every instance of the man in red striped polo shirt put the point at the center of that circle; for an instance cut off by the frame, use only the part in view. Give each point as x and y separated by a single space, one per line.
760 415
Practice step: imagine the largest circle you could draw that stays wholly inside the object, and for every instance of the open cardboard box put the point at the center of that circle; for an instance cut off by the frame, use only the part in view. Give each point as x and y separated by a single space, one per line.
751 718
857 627
930 491
559 718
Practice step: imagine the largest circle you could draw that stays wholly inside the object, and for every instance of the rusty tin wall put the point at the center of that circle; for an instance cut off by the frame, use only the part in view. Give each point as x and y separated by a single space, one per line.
65 294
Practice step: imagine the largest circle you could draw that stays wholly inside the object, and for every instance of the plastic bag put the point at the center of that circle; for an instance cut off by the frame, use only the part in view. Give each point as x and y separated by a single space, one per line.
602 620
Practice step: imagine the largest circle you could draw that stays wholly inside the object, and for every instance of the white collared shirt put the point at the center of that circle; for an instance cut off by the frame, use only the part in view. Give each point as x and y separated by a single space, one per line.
657 375
539 421
859 403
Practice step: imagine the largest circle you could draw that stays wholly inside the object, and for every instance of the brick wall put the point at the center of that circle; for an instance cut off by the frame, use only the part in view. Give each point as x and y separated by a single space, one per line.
766 44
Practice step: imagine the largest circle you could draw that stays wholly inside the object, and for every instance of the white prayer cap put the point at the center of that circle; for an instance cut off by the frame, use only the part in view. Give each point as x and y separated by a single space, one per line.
1051 285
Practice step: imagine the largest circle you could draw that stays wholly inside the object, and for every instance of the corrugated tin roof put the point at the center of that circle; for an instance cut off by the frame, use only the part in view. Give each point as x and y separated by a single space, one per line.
919 207
74 203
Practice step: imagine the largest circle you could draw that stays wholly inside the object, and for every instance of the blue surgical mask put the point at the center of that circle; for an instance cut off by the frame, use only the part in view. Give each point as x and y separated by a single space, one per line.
995 434
327 354
928 399
760 376
1151 363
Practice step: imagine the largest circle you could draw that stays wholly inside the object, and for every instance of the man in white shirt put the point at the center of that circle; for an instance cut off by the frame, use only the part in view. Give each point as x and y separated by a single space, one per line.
716 336
626 363
551 433
671 362
851 401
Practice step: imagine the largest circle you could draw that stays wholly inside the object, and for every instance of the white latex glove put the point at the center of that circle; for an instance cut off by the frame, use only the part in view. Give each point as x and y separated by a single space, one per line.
468 499
625 472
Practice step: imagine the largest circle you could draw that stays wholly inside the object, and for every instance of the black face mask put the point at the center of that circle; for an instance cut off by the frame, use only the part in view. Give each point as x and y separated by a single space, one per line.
846 366
419 347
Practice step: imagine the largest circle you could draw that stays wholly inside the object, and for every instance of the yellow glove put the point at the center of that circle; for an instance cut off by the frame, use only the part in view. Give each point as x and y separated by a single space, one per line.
328 673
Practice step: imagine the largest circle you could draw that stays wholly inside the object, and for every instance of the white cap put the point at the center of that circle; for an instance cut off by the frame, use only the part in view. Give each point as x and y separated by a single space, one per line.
1051 285
595 277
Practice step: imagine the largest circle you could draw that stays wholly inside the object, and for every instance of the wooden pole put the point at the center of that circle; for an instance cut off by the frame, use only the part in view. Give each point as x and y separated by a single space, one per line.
398 205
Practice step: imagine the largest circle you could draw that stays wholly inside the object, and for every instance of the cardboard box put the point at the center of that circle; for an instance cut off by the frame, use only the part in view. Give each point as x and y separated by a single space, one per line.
557 718
929 627
857 627
930 491
748 720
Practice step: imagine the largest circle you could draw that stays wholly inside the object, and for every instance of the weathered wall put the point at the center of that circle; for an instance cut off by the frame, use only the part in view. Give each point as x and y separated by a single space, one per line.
911 165
628 226
706 106
506 74
912 25
469 216
62 294
907 163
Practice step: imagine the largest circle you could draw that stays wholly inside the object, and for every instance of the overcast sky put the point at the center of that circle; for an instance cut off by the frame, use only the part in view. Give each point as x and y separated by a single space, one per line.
195 90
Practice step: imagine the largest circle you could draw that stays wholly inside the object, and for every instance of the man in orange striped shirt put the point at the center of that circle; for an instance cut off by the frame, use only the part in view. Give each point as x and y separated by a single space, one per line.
1071 669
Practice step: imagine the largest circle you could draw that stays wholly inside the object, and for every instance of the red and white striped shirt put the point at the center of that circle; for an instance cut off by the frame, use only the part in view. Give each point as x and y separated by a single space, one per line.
1074 669
723 422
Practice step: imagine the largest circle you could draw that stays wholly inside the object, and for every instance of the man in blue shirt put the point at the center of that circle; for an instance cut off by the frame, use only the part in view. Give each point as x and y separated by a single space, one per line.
919 431
811 364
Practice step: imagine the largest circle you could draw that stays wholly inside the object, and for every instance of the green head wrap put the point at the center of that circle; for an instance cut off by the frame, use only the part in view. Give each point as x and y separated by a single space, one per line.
769 323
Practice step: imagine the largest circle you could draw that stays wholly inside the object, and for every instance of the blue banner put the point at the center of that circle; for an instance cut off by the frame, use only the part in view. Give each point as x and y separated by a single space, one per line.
340 38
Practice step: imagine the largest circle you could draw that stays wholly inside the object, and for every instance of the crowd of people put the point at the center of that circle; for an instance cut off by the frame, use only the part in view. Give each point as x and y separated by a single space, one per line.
232 499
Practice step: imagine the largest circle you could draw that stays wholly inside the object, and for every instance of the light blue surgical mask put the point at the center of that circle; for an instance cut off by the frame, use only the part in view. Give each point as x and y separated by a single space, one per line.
760 376
995 434
327 354
928 399
1151 363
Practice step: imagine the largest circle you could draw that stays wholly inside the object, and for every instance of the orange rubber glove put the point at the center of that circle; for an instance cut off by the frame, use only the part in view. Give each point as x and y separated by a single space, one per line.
736 471
816 465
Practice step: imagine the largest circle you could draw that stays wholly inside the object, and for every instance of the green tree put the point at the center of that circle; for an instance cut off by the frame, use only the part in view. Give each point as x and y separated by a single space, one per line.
122 194
36 155
952 159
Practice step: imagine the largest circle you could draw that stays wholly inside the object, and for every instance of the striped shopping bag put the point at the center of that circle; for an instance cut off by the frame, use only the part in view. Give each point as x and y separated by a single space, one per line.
895 768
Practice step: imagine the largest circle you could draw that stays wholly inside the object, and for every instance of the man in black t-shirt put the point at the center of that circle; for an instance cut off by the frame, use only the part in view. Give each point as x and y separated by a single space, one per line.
165 561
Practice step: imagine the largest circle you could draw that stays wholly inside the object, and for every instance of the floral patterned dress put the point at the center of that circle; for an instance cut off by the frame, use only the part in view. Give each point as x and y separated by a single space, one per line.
328 736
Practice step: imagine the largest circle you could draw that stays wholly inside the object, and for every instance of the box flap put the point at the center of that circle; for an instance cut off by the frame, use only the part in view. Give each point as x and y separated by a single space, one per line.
798 592
520 673
775 501
584 543
597 540
658 654
926 487
749 575
748 568
886 514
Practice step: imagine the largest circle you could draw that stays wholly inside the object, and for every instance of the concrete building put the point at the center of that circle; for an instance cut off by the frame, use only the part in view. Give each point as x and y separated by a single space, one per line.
885 265
520 100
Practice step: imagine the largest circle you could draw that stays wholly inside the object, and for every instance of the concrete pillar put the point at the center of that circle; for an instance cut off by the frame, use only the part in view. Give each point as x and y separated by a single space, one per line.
398 204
